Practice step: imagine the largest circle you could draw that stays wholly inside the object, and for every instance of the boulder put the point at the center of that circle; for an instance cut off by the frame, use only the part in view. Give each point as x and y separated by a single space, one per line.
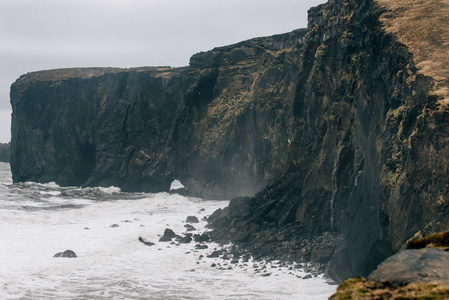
201 237
144 242
189 227
66 253
214 254
414 266
192 219
201 246
184 239
168 235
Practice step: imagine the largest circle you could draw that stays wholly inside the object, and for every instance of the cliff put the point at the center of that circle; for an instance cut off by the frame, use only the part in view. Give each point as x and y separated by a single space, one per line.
342 128
5 152
369 164
221 126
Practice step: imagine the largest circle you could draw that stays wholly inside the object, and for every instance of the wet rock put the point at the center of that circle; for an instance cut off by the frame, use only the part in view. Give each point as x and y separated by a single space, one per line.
5 152
184 239
201 246
414 266
145 243
192 219
215 254
189 227
66 253
201 237
308 276
168 235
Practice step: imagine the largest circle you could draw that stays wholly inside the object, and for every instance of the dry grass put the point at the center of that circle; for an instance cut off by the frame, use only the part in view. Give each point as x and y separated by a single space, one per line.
360 288
438 240
423 26
86 73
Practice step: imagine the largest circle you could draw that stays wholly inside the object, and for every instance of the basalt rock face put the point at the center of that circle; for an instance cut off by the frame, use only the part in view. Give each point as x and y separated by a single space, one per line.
5 152
347 135
221 126
368 165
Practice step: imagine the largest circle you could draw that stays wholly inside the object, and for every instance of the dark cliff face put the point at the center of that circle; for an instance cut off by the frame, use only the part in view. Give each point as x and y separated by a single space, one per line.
336 122
5 152
221 126
368 161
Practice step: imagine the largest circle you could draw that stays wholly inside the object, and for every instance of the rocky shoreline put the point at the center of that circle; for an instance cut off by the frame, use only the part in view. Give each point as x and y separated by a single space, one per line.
289 243
226 256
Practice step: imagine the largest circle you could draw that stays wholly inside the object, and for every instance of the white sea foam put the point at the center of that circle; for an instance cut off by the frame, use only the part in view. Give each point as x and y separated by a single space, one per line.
110 190
112 263
176 185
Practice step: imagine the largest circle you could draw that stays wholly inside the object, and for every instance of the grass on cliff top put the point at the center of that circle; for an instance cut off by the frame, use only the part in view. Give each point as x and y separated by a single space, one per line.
361 288
422 25
438 240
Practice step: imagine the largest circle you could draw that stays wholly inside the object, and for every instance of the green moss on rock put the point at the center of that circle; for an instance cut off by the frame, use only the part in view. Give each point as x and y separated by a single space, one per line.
438 240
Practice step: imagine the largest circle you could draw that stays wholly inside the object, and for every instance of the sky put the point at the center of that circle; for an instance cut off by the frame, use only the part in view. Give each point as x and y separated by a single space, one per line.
48 34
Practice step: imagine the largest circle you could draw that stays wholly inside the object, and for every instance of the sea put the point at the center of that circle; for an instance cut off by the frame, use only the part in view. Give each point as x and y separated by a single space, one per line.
103 226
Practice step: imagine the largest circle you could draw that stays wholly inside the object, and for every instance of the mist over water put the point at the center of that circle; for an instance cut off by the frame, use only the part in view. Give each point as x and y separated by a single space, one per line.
39 220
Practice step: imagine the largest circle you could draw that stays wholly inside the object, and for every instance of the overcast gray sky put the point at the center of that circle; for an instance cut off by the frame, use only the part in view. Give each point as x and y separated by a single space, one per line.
48 34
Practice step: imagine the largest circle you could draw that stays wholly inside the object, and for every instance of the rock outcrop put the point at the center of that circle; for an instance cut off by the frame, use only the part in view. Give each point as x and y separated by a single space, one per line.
220 127
341 127
5 152
368 167
410 274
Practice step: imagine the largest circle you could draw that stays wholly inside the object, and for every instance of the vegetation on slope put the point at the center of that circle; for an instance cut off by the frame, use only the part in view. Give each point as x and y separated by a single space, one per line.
421 25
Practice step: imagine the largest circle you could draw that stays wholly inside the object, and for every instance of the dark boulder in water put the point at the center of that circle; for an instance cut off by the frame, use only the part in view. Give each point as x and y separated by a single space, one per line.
201 246
168 235
189 227
192 219
146 243
185 239
201 237
5 152
66 253
215 254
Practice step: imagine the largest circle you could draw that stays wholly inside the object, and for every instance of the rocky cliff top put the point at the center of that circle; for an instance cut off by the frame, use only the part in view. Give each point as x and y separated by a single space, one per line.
83 73
421 25
248 50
